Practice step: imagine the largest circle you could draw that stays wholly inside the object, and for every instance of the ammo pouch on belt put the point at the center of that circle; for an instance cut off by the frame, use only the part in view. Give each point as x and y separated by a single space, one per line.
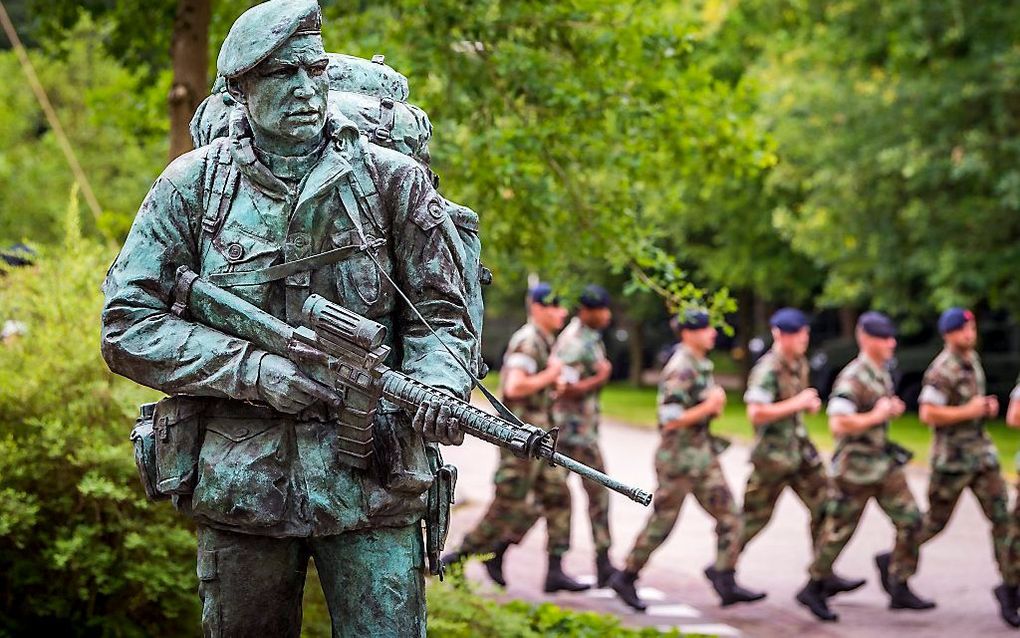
437 512
400 459
167 440
900 455
718 444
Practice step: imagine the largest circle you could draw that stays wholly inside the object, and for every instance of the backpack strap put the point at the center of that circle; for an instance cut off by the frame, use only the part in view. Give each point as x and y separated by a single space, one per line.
220 186
383 134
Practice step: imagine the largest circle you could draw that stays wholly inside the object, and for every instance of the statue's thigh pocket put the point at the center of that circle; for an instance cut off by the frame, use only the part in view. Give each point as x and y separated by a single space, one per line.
243 473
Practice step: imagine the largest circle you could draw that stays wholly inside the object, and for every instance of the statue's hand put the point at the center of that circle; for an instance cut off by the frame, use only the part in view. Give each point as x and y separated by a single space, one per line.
436 424
282 385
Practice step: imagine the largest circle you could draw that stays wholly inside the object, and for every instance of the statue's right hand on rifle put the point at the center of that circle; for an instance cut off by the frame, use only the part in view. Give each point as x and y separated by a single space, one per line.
282 385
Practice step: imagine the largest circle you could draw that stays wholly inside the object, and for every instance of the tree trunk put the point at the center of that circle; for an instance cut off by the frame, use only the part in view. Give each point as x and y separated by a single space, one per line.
847 321
189 55
635 351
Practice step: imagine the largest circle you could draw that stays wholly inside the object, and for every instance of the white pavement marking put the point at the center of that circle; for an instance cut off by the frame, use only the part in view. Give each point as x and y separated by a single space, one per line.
679 610
708 629
651 593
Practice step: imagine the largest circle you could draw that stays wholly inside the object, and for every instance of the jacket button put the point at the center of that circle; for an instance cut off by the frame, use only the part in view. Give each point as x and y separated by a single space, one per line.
235 252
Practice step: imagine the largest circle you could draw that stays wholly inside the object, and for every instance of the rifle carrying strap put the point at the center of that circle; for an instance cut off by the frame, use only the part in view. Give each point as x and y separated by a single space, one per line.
286 269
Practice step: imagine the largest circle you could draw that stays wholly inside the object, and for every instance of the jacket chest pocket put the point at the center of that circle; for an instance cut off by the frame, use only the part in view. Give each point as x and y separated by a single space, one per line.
232 251
359 282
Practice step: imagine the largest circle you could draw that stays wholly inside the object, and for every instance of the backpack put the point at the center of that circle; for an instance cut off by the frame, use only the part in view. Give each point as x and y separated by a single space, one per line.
373 96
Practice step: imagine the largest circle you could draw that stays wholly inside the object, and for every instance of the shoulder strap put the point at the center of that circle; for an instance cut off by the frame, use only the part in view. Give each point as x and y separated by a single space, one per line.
220 186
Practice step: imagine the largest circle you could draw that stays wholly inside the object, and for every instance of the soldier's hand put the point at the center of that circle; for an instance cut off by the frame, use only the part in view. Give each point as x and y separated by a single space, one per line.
437 424
604 367
992 406
282 385
977 407
897 406
716 399
809 400
883 409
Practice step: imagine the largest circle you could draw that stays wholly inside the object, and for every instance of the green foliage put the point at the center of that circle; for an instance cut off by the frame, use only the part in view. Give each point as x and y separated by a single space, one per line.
119 134
82 553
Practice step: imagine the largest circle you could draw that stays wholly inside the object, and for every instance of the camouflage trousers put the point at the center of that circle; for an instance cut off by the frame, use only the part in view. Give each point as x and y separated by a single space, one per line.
526 490
809 482
588 452
373 581
844 511
988 486
710 489
1013 551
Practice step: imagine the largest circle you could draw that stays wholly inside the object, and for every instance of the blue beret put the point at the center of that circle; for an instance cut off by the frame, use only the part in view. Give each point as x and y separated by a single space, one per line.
595 297
876 324
542 293
788 320
691 319
263 29
953 319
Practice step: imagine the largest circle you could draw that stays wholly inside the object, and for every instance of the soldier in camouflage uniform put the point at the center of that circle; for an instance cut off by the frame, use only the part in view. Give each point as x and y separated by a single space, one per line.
954 405
777 396
576 409
1011 593
867 465
687 463
528 488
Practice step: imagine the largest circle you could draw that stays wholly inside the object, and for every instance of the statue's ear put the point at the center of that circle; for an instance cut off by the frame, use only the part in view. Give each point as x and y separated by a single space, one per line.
235 91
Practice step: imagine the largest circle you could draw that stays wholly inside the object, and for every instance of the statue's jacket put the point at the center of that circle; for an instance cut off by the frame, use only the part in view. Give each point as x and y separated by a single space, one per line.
260 471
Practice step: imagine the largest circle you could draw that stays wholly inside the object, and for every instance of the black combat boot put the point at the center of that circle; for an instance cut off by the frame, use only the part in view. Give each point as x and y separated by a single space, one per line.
813 597
900 597
494 566
882 562
622 583
837 585
603 568
556 580
1007 597
725 584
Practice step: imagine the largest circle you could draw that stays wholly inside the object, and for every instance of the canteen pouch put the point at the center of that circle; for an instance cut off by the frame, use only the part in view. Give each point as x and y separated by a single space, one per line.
900 455
145 453
438 507
177 432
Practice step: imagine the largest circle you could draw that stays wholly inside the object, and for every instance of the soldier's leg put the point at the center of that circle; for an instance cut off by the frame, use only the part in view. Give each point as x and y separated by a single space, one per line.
811 484
666 504
250 585
898 503
598 496
374 581
763 489
990 489
715 498
553 497
843 513
510 515
944 491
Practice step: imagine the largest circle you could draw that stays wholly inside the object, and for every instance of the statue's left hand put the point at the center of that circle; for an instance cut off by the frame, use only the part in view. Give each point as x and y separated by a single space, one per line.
437 425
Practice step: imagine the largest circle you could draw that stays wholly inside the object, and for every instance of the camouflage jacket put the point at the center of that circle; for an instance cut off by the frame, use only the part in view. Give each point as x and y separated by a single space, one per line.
529 350
864 457
783 445
1015 396
580 349
953 380
683 385
259 471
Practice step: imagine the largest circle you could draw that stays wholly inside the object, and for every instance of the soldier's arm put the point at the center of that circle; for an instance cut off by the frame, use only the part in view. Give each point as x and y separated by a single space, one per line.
844 409
1013 411
677 409
760 397
935 410
141 338
518 384
427 255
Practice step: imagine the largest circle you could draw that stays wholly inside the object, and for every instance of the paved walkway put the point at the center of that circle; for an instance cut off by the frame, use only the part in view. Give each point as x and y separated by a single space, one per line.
956 569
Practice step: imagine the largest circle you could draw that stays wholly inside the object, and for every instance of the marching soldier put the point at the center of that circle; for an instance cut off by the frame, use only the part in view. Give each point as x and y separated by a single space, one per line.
783 456
528 488
954 404
576 409
867 465
687 463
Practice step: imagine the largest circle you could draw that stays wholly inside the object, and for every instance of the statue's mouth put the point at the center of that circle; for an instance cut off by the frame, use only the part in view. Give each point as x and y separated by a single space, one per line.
304 115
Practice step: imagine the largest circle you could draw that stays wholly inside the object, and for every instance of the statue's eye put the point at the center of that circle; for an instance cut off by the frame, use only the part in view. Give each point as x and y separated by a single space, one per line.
318 69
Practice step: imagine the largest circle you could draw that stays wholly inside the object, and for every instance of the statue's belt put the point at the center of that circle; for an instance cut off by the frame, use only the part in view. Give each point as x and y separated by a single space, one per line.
284 270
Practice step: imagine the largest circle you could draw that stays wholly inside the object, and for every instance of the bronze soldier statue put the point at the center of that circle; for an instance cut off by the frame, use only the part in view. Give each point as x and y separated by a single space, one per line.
272 211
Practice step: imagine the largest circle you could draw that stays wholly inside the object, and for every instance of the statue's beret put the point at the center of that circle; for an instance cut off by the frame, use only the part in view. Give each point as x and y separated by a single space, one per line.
263 29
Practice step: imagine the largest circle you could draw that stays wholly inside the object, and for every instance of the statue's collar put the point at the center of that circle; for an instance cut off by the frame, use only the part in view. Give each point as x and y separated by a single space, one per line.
333 158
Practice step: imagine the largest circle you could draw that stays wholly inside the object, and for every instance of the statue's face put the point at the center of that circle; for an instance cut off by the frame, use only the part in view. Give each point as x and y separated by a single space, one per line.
286 93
